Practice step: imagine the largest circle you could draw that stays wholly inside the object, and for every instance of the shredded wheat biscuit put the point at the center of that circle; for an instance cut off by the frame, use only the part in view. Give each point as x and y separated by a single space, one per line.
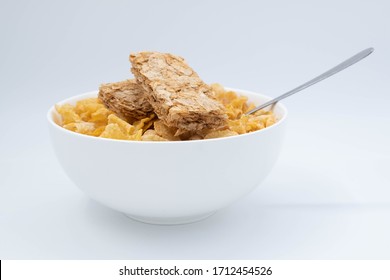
127 99
177 94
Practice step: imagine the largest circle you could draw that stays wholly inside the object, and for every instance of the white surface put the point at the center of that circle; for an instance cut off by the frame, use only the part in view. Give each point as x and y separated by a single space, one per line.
329 194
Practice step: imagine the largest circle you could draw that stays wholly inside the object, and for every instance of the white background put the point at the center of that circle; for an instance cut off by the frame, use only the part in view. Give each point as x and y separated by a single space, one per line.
328 197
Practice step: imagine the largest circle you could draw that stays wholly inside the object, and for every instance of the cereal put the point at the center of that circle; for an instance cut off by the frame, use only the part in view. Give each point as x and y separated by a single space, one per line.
151 135
136 136
165 131
100 116
144 123
114 131
177 94
68 114
81 127
86 107
91 117
220 134
125 127
246 124
126 99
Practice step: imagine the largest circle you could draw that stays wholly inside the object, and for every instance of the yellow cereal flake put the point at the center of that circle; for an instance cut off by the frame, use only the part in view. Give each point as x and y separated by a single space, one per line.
86 107
137 136
144 123
125 127
81 127
235 105
165 132
90 116
98 131
114 131
220 134
270 121
100 116
151 135
248 107
68 114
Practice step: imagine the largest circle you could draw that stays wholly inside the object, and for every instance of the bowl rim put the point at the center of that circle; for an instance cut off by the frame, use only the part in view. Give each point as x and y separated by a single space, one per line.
94 92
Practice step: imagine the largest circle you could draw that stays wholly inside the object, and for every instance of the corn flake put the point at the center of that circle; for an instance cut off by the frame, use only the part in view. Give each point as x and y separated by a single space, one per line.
220 134
68 114
144 123
81 127
151 135
165 132
114 131
125 127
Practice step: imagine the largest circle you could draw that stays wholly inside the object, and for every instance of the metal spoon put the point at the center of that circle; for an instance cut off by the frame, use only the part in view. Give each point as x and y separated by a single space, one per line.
350 61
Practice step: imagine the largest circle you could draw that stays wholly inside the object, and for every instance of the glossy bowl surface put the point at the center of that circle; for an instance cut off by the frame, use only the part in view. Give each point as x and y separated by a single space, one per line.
168 182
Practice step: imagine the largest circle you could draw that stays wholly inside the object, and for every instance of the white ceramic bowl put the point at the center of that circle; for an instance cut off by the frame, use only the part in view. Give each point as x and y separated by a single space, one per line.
168 182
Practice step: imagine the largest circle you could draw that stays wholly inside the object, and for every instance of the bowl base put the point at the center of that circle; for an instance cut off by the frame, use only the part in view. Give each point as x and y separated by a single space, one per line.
170 220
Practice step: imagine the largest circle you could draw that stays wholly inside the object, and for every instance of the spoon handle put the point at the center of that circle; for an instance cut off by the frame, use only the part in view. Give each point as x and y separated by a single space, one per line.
345 64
